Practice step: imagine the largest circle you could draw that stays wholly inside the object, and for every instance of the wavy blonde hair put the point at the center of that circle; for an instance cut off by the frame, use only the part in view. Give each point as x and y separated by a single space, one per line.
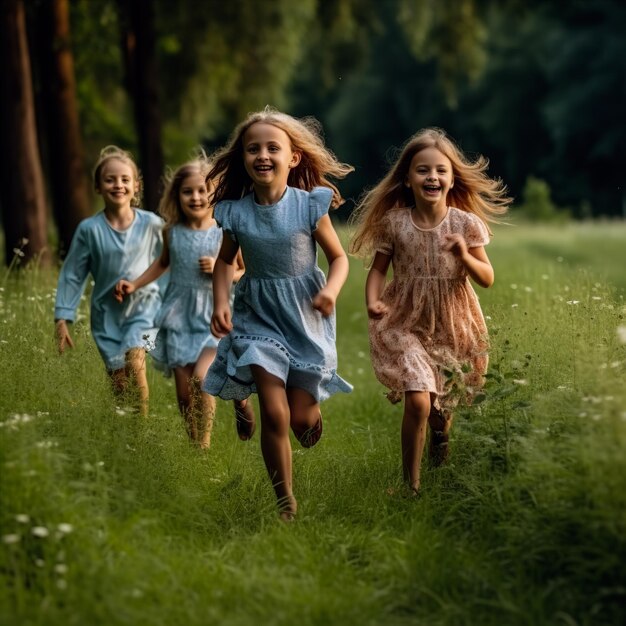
474 191
317 162
108 153
169 206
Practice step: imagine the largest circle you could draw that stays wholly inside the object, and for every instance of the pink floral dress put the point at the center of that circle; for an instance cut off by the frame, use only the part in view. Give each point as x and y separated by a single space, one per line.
434 337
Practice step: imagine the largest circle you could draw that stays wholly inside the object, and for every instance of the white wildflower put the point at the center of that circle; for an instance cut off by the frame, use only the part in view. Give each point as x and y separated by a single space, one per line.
40 531
11 538
621 334
514 306
513 286
65 528
60 568
573 302
22 518
520 381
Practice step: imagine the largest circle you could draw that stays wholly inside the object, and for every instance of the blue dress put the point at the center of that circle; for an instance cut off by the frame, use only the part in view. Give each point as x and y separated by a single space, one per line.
274 323
184 320
110 255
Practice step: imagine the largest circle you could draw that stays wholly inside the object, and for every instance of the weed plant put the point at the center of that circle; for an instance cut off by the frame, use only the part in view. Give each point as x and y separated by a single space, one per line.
107 518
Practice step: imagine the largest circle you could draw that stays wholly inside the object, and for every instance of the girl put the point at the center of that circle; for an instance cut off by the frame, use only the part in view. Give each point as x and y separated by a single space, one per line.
427 218
119 240
184 343
272 199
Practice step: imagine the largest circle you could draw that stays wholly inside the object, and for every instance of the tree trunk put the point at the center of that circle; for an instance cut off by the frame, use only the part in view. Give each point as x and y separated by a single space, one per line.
139 49
67 176
22 192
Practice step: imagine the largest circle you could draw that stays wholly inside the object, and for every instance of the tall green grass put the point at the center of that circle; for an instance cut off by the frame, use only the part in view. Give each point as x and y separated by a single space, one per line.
108 519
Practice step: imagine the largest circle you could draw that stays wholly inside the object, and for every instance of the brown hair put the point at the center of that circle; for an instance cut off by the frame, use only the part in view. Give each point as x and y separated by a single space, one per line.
474 191
316 162
169 207
108 153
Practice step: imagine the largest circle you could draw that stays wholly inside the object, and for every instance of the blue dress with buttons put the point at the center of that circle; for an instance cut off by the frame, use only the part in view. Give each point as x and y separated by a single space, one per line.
274 323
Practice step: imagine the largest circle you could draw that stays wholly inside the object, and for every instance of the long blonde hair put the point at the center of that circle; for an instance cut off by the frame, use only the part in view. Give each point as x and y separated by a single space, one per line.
474 191
169 207
317 162
109 153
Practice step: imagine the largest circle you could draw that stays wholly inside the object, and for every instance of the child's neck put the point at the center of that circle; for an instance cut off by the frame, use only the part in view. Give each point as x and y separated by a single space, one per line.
269 195
199 224
427 215
120 217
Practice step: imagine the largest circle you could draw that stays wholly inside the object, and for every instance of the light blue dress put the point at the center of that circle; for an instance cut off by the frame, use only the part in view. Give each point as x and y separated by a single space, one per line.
274 323
109 255
184 320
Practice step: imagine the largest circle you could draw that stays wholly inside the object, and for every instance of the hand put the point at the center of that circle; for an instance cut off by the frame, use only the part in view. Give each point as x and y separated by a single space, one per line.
324 302
123 288
456 244
207 263
377 309
63 336
221 323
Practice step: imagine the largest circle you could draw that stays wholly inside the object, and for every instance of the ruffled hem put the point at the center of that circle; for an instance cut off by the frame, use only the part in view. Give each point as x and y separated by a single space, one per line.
230 375
171 349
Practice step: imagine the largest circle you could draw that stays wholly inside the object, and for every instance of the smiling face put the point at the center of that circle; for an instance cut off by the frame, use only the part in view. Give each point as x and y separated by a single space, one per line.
430 177
117 183
193 198
268 156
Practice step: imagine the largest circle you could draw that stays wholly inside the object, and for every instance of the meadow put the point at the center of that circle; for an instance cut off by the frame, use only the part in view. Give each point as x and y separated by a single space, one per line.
110 519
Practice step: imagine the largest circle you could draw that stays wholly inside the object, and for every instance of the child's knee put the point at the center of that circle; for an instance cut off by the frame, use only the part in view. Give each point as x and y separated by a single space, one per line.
417 404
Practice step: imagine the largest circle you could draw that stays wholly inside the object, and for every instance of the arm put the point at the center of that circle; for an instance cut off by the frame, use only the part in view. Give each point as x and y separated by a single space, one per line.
223 273
375 284
240 268
70 287
475 260
156 270
338 266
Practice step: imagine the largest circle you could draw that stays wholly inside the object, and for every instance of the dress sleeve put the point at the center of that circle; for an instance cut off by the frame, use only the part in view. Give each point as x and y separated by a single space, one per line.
73 277
383 239
223 216
319 203
476 233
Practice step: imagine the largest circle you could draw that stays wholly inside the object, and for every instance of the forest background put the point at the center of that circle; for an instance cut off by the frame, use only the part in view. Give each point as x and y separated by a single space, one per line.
537 86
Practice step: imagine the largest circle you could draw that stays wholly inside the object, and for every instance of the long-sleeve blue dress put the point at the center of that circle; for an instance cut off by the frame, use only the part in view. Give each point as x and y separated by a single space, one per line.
110 255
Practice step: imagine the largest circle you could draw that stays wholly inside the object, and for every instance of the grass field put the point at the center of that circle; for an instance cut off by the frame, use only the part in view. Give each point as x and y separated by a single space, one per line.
106 519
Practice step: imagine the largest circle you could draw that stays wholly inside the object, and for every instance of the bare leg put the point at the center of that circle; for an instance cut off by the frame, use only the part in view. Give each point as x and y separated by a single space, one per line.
201 412
306 419
119 382
136 374
275 443
202 404
414 420
182 376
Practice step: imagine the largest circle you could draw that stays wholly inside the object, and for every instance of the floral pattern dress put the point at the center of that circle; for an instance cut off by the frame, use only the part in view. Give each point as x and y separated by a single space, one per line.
434 337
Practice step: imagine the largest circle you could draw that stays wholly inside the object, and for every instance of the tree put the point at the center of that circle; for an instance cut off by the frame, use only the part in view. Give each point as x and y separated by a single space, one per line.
142 82
61 136
22 194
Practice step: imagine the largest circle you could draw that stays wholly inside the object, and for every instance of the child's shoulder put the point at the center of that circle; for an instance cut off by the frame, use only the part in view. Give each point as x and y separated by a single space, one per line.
460 216
148 216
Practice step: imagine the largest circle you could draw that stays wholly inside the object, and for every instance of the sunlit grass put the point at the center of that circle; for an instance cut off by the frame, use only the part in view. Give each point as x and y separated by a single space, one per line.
108 519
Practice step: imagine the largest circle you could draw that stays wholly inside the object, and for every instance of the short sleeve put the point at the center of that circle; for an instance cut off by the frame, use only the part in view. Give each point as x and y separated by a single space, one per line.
476 233
319 204
383 239
223 216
